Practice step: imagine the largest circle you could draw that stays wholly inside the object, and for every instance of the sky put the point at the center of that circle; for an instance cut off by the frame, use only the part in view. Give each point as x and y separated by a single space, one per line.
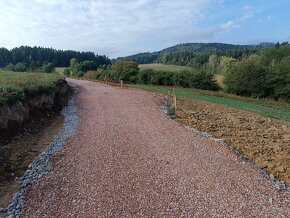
123 27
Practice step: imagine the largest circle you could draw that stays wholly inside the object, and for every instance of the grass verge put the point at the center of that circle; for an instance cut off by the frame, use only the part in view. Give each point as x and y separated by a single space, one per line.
268 108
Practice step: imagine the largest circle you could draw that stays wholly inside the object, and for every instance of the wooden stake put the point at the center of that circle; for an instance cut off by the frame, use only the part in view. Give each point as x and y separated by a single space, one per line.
121 84
175 101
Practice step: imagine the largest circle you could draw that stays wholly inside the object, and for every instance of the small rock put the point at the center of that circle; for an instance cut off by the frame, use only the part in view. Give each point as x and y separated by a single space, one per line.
271 201
272 177
280 169
3 210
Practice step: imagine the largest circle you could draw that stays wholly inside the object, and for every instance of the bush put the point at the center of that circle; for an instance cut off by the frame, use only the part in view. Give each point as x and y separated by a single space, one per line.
193 79
182 78
125 70
247 78
74 67
86 66
77 69
278 80
91 75
10 67
172 112
166 78
203 80
66 72
20 67
145 75
100 74
156 78
79 74
48 68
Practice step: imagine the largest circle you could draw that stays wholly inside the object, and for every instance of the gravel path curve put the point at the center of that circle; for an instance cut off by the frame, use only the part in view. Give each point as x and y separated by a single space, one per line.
128 159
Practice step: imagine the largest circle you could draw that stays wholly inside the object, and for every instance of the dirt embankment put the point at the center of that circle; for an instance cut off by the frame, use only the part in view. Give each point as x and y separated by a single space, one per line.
263 140
31 113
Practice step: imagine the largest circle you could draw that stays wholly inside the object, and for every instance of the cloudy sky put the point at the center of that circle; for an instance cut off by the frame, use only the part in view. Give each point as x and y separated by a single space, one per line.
123 27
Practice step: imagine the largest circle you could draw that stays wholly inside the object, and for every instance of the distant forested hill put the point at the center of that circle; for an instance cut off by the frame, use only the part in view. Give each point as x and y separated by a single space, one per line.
37 56
183 54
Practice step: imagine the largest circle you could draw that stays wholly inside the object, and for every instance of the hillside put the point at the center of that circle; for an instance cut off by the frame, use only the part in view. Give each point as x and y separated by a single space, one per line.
204 47
183 53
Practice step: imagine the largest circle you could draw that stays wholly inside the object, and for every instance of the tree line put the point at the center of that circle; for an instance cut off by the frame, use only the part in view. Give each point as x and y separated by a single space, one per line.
264 74
261 71
129 72
254 71
192 54
35 57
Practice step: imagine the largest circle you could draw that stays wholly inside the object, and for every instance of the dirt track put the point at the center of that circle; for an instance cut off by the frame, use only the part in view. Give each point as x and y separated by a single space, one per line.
130 160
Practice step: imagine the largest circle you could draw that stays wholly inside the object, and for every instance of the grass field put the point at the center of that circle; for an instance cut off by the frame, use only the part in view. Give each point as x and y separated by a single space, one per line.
15 85
60 69
172 68
268 108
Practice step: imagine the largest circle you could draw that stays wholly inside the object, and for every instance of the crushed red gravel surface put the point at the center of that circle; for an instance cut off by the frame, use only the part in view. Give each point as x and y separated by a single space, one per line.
128 159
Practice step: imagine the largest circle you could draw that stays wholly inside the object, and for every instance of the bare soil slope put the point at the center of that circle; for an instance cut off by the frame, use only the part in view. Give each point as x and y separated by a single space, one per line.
263 140
130 160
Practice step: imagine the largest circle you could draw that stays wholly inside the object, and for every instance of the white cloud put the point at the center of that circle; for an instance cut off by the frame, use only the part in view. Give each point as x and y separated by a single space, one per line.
247 13
112 27
229 25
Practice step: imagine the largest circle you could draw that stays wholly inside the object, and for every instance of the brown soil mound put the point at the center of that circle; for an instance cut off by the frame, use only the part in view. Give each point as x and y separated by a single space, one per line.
263 140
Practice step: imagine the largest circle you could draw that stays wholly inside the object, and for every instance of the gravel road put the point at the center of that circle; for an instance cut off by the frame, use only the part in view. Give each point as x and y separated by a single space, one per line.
128 159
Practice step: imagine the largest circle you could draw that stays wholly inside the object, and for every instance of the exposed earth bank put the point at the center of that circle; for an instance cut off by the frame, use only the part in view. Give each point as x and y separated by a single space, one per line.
26 128
31 113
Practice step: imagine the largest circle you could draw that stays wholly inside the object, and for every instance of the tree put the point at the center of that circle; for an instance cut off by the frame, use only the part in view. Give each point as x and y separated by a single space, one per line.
32 66
212 64
20 67
278 79
145 75
37 56
66 72
5 57
48 68
225 65
203 80
247 77
125 70
10 67
86 66
74 66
